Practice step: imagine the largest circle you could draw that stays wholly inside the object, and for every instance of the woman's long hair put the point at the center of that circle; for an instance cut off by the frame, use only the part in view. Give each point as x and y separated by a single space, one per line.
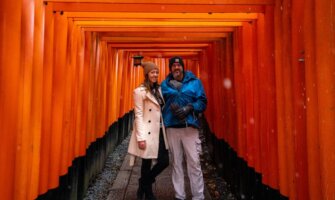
146 84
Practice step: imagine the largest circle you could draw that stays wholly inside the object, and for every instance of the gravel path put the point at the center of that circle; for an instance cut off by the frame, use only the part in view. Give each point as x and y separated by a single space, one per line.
100 187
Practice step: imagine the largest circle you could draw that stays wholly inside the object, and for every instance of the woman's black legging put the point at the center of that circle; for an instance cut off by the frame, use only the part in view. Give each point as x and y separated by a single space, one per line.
149 174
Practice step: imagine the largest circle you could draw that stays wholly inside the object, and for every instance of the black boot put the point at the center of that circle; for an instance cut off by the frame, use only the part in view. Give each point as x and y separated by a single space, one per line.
140 190
149 195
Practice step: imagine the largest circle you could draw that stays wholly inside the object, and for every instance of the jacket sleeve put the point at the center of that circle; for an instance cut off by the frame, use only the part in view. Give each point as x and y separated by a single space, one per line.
138 110
200 104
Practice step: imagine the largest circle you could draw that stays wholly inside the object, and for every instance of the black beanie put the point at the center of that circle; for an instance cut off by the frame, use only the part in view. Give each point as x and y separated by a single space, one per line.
176 59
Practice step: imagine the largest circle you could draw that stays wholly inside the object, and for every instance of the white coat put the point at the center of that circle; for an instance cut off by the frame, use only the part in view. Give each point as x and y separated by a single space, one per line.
146 125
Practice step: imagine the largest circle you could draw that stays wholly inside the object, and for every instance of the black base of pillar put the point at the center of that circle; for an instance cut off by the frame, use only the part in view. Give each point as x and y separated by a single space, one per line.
74 184
244 181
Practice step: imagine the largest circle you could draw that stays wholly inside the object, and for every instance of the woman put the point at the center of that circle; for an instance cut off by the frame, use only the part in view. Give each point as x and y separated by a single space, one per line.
148 139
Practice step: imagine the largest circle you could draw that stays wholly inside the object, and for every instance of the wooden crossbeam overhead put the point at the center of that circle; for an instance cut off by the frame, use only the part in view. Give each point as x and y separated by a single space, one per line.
156 23
169 54
146 39
160 49
203 2
165 16
163 34
166 20
158 45
161 8
111 30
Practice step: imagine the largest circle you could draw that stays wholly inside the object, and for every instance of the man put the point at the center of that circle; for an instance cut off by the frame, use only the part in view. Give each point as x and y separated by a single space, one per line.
184 99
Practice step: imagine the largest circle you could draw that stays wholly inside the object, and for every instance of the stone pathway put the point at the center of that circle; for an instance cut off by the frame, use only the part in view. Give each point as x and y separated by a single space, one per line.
126 183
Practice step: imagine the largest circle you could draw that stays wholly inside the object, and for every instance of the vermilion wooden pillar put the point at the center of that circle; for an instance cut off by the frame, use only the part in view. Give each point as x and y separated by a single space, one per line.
230 92
247 139
299 100
58 92
24 134
312 117
69 92
37 94
270 89
284 99
113 67
9 97
239 90
207 78
87 45
79 90
119 81
215 68
125 84
261 97
91 56
262 119
325 69
46 100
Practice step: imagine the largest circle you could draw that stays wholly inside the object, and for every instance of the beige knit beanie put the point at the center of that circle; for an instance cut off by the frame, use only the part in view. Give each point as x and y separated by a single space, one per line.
148 66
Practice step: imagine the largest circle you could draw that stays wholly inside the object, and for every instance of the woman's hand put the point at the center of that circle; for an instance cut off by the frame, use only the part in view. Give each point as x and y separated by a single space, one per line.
141 145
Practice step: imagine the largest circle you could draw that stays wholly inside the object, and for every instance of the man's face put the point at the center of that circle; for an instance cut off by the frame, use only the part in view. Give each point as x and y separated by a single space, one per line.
177 71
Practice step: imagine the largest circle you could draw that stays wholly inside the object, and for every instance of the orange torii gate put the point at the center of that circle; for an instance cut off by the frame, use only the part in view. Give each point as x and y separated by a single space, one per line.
66 75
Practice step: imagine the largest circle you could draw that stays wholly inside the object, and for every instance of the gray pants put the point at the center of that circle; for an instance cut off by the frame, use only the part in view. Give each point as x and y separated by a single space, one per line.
186 141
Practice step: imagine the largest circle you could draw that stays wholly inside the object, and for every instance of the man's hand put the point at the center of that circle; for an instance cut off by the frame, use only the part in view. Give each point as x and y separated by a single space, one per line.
181 113
142 144
174 107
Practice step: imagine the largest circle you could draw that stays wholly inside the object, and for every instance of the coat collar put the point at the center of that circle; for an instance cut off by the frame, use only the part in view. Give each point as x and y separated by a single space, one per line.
151 96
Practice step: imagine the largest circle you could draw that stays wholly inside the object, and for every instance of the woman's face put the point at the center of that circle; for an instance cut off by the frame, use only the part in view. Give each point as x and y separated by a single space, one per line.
153 75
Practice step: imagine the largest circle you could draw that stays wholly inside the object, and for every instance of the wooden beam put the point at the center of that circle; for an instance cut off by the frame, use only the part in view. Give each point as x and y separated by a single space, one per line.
165 16
158 45
161 50
145 39
165 20
169 54
154 8
163 34
159 29
156 23
202 2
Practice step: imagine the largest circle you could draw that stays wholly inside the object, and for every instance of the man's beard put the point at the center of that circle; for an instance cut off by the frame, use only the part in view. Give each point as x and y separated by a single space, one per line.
176 75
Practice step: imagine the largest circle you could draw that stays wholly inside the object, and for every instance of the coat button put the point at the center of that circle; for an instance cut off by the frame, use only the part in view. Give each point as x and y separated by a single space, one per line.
149 121
149 133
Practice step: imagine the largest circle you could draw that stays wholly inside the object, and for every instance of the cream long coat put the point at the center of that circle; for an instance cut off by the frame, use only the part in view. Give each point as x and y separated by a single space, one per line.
146 125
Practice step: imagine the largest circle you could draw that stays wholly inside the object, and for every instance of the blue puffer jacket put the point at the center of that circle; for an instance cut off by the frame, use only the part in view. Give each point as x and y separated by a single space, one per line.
191 92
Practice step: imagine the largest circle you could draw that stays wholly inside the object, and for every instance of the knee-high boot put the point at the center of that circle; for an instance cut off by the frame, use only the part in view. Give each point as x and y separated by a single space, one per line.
149 195
140 190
